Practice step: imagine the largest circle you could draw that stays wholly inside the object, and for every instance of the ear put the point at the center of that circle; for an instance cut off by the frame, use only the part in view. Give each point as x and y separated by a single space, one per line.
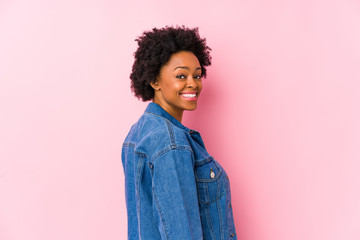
155 85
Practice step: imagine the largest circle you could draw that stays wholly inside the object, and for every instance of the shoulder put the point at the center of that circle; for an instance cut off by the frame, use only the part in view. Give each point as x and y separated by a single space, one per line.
153 135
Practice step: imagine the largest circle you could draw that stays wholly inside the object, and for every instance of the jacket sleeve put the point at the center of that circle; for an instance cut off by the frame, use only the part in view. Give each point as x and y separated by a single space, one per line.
175 201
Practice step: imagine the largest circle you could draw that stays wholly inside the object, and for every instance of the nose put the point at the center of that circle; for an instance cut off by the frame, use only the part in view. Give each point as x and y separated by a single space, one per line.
191 82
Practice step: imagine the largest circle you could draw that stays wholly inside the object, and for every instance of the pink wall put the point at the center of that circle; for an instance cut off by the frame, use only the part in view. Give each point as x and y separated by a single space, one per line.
279 110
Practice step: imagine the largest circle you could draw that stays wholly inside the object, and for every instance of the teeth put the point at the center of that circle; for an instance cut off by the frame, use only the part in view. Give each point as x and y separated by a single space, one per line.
189 95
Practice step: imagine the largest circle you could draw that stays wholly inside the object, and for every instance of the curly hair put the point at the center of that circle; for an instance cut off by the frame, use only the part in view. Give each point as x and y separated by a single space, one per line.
155 49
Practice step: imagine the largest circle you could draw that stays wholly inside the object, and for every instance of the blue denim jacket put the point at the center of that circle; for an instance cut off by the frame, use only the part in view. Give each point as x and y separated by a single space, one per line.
174 188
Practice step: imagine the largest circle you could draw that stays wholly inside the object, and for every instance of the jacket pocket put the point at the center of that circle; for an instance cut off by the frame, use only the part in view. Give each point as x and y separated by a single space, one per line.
209 182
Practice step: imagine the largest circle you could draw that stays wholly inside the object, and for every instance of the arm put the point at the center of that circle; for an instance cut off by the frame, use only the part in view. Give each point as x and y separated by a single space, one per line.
175 202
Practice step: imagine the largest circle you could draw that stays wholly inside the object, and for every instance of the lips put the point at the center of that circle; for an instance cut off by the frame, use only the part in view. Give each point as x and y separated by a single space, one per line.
189 95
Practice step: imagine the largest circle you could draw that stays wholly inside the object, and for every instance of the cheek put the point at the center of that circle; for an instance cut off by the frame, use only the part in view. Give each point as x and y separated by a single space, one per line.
200 85
172 89
177 87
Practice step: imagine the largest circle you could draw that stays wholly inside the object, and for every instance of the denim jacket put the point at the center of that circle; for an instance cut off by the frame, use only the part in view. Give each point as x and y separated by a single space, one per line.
174 188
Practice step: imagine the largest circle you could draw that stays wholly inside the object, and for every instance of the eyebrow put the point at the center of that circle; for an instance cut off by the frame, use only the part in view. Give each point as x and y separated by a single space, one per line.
184 67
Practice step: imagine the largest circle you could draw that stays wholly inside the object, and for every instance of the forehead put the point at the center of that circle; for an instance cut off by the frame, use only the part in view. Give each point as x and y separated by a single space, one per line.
183 58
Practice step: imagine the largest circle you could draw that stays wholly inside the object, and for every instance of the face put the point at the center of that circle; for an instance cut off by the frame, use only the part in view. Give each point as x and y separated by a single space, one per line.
179 84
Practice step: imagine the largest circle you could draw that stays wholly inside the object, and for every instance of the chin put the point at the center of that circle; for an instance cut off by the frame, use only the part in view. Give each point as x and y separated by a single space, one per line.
192 108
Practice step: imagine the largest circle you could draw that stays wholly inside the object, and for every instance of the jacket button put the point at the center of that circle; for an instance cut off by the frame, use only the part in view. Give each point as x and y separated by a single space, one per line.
230 205
232 235
227 177
212 174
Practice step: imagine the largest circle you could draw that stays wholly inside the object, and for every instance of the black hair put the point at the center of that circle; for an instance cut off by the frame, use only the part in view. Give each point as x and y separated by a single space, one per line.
155 49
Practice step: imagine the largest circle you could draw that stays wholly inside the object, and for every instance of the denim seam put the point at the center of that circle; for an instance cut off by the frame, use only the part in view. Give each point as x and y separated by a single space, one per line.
207 203
228 213
141 154
168 148
207 195
208 218
128 144
161 214
171 133
220 220
138 173
219 211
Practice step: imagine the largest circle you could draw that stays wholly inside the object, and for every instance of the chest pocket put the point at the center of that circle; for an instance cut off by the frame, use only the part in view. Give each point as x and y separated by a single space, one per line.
209 181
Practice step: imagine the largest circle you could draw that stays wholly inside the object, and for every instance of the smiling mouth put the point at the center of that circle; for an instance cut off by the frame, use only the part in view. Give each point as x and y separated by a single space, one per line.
189 96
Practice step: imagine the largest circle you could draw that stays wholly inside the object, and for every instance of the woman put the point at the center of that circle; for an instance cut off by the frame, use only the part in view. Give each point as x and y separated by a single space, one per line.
174 188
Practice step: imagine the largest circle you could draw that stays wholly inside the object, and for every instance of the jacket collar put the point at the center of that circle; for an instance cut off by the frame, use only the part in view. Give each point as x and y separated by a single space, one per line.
156 109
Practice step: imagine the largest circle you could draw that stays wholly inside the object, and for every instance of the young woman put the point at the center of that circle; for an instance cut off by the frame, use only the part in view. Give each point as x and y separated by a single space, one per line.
174 188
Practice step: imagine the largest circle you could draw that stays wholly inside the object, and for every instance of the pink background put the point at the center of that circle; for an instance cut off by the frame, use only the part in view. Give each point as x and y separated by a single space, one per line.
279 110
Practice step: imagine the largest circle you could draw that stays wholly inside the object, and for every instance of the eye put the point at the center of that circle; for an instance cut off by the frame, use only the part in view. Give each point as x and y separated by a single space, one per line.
197 76
181 76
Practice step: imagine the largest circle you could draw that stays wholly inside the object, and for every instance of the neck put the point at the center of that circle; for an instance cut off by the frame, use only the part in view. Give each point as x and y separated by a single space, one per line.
175 112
